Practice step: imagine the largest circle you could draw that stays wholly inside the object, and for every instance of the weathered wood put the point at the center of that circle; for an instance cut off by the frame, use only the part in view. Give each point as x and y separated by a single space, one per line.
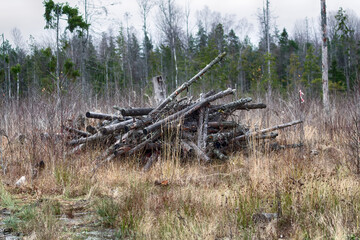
232 106
159 89
251 134
139 123
249 106
102 116
192 126
240 130
200 153
151 160
220 114
186 147
205 131
220 155
154 145
135 111
267 136
186 111
115 127
91 129
143 144
76 149
76 131
93 138
200 125
185 85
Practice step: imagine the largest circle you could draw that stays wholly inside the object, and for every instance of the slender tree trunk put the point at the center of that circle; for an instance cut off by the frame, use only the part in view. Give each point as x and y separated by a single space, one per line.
1 157
57 57
82 67
17 87
176 66
268 47
83 48
9 79
348 64
4 62
325 67
107 80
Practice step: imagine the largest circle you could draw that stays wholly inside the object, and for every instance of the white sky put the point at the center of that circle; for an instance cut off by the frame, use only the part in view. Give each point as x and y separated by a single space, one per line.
27 15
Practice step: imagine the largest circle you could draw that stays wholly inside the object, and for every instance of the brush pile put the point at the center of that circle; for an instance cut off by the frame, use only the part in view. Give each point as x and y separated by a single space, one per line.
195 127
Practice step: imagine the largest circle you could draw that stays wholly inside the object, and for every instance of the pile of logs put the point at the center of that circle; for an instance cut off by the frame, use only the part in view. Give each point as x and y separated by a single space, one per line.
194 127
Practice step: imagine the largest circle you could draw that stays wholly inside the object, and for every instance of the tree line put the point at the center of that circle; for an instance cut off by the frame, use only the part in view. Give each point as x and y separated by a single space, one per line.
125 59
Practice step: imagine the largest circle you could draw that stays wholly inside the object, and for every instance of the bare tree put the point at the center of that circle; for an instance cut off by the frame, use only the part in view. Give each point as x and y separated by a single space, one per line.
84 40
169 24
187 19
127 17
267 35
145 7
18 41
325 67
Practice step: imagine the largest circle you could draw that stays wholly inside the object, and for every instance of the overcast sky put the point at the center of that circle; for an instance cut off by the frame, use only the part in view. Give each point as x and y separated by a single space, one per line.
27 15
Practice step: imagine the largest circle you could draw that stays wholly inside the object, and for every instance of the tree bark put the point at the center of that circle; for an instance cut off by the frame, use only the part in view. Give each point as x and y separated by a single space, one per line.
92 138
325 66
77 131
200 125
114 127
233 105
135 111
187 111
261 132
102 116
205 130
200 153
268 48
159 89
57 55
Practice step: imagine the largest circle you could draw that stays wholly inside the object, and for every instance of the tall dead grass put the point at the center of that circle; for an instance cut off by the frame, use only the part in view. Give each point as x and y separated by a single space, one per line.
314 190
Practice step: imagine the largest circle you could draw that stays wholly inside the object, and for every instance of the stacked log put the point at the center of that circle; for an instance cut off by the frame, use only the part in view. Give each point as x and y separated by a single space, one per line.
198 127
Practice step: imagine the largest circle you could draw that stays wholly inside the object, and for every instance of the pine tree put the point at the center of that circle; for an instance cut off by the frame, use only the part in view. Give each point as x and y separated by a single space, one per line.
53 13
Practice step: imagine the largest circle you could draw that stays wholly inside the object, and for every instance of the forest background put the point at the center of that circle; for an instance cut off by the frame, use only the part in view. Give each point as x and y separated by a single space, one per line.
126 58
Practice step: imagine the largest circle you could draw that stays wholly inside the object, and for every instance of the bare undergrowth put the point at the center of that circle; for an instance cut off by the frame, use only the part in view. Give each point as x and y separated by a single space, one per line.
313 190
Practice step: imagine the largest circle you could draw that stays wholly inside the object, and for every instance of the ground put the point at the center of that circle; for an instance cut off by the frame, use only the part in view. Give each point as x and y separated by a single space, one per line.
310 192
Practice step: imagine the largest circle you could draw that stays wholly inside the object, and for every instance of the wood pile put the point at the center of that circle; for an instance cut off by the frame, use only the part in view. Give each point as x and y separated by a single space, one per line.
195 127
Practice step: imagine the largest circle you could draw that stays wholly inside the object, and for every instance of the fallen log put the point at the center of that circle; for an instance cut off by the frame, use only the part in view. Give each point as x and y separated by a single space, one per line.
251 134
186 148
205 130
76 149
90 129
201 155
187 111
135 111
150 161
201 125
76 131
232 106
142 145
115 127
249 106
227 135
102 116
92 138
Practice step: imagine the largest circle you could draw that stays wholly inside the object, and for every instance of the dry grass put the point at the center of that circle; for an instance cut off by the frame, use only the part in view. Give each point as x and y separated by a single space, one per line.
318 195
